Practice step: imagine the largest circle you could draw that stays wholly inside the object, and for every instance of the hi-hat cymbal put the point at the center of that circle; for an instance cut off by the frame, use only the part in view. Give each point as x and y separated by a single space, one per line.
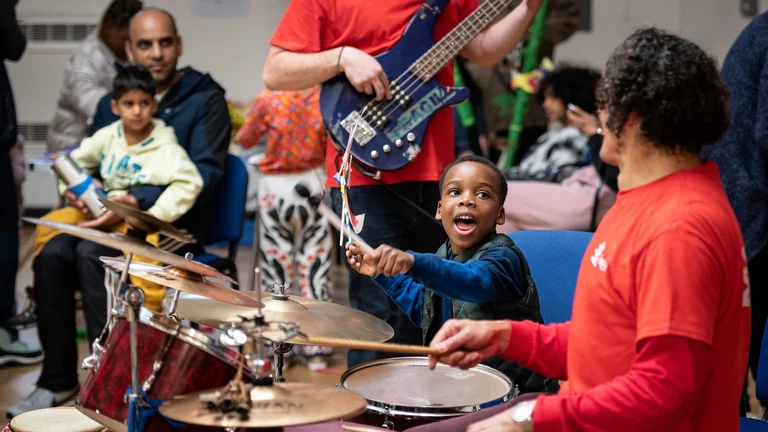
133 245
315 318
278 405
181 280
145 221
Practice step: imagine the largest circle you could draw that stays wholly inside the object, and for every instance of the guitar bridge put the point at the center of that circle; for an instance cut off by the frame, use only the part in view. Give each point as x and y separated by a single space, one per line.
364 132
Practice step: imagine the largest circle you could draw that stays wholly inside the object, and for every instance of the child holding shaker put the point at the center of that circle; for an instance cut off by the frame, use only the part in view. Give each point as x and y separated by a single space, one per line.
135 150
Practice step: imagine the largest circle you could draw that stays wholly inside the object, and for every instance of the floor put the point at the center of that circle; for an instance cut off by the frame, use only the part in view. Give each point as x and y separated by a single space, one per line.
17 381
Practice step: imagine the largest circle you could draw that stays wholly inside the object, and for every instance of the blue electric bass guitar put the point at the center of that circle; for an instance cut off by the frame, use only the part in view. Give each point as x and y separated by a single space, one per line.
389 132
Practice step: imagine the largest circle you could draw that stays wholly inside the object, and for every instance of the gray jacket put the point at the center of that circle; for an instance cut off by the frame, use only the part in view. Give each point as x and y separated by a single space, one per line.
87 78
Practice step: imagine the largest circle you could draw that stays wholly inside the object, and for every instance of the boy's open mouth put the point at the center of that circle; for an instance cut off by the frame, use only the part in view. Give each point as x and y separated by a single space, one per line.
465 223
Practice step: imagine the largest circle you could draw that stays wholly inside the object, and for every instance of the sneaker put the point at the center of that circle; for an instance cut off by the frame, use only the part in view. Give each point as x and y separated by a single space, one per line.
41 398
17 352
27 318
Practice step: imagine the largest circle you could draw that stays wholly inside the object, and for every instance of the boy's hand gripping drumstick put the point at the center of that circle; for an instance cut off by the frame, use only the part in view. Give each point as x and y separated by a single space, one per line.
316 202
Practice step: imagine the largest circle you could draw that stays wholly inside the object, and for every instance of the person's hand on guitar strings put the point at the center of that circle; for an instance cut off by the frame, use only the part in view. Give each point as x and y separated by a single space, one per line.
365 73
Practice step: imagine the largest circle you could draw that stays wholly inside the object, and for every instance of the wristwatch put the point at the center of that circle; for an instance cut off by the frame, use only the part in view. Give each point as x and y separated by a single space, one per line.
522 415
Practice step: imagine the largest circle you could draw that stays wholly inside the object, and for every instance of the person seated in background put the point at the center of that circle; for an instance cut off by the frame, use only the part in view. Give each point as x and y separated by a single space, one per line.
476 274
578 203
294 240
89 73
659 336
132 151
563 146
190 102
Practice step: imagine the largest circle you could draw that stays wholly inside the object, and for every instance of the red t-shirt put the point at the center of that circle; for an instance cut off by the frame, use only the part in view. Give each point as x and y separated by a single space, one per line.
667 259
374 27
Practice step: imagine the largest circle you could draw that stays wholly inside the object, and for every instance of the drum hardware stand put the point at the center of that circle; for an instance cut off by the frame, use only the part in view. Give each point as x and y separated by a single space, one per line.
97 348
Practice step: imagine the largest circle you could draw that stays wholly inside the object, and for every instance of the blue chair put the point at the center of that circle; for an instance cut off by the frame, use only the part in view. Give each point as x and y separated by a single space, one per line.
554 258
761 388
228 221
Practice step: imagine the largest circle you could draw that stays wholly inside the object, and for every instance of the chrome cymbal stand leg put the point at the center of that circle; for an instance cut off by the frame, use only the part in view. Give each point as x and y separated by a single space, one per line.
281 349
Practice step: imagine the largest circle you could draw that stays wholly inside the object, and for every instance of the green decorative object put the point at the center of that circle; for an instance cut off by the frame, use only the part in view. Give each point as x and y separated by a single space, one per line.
530 62
465 108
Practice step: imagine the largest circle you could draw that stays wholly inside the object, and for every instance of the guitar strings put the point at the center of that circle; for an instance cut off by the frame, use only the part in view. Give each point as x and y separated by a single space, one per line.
434 67
434 62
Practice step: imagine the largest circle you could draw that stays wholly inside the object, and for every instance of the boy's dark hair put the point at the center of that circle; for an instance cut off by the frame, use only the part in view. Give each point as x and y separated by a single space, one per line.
481 160
671 84
120 12
572 85
133 77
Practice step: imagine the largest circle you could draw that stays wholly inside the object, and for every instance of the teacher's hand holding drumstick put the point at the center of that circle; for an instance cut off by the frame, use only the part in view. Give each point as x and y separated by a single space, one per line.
466 343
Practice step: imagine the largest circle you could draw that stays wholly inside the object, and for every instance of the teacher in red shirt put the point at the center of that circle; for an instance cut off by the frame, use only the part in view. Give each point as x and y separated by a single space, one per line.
659 335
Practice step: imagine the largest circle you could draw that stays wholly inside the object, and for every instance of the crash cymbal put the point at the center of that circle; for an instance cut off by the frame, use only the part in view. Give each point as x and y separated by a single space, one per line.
133 245
278 405
145 221
315 318
184 281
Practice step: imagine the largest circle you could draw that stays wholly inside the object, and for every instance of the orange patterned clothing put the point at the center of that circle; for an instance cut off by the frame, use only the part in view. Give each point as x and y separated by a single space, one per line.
293 127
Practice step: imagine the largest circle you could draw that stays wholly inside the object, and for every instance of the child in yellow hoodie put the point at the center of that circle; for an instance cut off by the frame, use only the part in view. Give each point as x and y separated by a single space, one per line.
135 150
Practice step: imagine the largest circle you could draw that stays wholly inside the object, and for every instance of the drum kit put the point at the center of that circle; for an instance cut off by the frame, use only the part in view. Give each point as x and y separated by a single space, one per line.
150 371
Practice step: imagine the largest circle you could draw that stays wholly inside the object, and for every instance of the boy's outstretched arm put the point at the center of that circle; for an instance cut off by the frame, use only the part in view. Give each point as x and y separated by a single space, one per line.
404 291
496 276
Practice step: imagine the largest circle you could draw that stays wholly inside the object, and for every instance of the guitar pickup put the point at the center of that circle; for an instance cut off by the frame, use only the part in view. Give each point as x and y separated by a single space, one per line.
380 121
364 132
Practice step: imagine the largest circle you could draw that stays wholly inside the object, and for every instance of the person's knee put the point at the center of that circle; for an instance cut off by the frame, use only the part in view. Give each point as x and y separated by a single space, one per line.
58 249
90 251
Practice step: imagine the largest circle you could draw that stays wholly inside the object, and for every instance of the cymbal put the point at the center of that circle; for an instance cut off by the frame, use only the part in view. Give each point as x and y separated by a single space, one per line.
315 318
146 222
133 245
278 405
183 281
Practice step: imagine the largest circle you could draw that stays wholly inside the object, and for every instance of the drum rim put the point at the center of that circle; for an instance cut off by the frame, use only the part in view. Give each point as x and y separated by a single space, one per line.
414 412
190 336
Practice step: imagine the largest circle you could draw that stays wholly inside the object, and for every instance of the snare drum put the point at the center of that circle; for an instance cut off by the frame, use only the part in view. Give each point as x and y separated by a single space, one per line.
61 419
403 392
173 360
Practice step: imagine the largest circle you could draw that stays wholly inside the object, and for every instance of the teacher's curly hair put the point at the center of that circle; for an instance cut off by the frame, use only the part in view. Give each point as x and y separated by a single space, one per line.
671 84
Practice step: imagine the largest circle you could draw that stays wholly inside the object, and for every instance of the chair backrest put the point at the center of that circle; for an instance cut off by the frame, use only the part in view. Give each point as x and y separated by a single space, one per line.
229 202
554 258
761 375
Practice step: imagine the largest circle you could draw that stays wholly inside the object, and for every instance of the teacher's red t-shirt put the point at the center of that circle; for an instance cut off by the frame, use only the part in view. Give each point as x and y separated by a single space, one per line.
374 26
667 259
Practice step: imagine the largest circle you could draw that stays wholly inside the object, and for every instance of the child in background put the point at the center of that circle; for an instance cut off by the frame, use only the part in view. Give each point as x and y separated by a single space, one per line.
294 240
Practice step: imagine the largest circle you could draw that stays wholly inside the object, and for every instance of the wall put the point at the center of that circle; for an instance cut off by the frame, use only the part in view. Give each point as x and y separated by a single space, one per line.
233 48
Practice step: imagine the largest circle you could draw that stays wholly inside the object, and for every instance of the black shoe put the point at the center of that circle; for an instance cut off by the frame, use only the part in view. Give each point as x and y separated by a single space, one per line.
27 318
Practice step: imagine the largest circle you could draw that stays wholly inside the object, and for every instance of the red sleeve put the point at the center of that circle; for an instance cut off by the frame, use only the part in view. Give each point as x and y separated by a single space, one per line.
658 392
678 284
540 348
301 29
255 125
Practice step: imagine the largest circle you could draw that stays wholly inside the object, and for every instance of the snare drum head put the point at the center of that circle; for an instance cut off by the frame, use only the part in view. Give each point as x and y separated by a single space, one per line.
61 419
408 382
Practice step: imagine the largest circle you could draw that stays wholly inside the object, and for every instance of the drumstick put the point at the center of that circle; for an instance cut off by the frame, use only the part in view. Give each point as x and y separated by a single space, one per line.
372 346
358 429
331 216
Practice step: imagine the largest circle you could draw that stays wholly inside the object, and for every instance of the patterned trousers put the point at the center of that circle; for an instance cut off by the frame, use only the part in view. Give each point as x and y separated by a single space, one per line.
294 240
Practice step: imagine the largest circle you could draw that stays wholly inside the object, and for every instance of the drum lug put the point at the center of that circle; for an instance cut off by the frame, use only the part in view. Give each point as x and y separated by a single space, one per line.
388 424
91 361
156 366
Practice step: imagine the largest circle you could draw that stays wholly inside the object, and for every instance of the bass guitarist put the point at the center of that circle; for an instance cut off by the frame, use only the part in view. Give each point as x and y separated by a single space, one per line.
319 39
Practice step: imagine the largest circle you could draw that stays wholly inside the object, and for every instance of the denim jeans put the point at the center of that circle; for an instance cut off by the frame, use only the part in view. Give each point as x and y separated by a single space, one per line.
390 220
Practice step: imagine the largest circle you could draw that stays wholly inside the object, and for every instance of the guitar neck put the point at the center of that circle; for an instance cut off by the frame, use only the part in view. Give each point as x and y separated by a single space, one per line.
451 45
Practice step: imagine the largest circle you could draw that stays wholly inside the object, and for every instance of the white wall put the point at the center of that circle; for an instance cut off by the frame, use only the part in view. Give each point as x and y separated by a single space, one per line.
713 24
232 49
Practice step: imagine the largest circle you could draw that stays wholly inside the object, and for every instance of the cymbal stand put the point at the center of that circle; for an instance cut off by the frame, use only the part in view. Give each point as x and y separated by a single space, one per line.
98 345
